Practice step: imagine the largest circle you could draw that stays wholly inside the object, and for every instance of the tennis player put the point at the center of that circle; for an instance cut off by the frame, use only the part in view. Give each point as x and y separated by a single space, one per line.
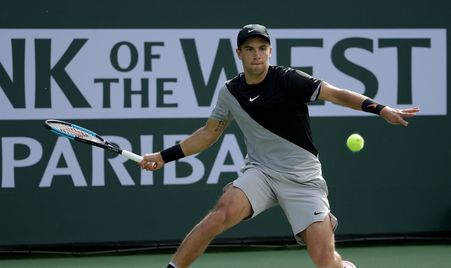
282 166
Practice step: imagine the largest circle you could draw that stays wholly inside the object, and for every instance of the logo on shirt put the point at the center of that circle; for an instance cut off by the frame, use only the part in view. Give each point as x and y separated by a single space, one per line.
254 98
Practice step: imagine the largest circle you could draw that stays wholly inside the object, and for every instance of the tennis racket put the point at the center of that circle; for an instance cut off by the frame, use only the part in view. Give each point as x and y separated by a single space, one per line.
77 133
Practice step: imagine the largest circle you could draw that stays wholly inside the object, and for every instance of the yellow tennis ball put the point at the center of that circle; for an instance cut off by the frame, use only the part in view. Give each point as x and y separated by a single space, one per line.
355 142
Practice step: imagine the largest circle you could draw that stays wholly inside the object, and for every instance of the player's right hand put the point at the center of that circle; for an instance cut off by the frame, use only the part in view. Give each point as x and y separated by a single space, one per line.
152 161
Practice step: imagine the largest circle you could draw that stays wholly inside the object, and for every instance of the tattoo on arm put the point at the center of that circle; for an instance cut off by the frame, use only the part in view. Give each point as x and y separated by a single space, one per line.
221 126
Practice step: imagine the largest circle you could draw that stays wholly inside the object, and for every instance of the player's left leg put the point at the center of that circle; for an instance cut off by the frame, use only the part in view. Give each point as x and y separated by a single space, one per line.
320 241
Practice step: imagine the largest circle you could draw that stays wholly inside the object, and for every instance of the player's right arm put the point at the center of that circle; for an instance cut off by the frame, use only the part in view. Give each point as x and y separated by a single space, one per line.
200 140
204 137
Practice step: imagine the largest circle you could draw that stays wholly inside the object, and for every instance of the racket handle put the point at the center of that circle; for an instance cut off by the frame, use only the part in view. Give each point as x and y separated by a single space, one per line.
132 156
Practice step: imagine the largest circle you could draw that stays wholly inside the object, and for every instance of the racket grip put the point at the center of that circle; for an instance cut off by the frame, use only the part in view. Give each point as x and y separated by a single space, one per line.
132 156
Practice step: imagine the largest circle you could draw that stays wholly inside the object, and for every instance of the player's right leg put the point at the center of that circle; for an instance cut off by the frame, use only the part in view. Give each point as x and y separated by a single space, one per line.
231 208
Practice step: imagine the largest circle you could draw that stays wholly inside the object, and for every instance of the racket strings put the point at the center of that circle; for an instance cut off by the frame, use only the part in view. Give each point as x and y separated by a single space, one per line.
76 132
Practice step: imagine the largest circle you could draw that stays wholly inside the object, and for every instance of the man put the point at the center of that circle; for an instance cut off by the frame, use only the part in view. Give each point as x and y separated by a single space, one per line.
281 166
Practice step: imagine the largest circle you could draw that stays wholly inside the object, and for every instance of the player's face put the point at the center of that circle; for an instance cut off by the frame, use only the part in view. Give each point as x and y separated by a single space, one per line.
255 53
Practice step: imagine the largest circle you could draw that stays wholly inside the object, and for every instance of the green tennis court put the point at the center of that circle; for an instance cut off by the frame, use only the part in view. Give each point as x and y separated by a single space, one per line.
368 256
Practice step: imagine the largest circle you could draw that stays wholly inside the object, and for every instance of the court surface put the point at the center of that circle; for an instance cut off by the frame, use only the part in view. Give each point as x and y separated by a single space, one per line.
367 256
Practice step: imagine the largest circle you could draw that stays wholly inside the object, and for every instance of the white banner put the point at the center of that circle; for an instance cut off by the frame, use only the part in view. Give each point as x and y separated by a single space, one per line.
176 73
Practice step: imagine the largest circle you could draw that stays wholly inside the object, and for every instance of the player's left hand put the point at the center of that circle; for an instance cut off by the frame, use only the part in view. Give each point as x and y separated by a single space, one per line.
398 116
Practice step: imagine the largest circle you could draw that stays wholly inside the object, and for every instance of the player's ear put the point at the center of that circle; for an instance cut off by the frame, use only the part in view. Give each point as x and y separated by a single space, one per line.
238 52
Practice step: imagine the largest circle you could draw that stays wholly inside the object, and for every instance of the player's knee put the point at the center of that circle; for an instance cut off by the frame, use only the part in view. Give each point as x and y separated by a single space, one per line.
226 216
219 216
216 220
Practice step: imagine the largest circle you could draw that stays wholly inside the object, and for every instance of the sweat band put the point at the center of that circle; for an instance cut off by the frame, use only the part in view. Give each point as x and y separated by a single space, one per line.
370 106
172 153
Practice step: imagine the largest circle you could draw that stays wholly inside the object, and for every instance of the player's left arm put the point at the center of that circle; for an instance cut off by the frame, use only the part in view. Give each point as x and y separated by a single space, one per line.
358 101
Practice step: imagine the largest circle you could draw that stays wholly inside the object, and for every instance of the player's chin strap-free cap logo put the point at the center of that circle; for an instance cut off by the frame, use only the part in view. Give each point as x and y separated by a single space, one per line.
252 30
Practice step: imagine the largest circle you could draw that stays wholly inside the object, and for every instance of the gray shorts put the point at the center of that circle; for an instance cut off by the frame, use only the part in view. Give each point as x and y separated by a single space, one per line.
302 202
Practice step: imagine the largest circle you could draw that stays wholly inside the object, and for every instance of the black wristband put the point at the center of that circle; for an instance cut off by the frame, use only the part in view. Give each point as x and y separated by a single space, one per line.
172 153
370 106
